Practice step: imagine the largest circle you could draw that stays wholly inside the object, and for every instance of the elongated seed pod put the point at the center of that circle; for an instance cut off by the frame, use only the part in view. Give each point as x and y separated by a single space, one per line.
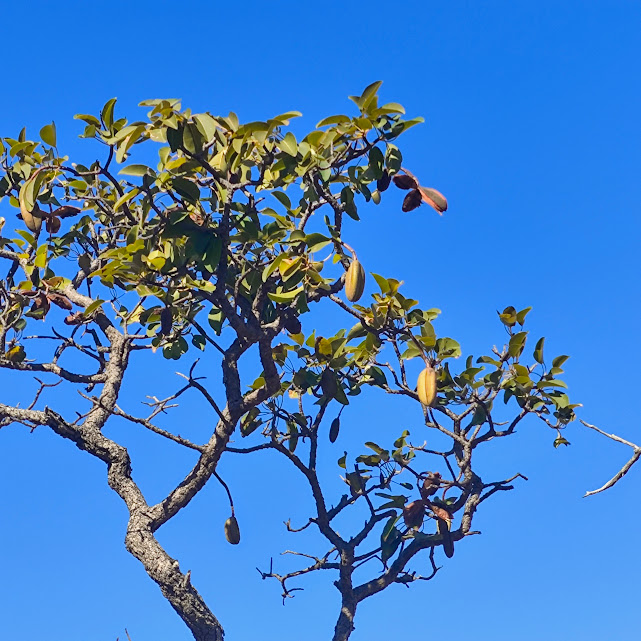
232 531
444 530
166 321
426 386
333 429
31 218
354 281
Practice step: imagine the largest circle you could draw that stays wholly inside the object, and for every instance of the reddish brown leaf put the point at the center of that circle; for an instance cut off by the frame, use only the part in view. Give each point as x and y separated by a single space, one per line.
413 513
60 300
65 211
431 484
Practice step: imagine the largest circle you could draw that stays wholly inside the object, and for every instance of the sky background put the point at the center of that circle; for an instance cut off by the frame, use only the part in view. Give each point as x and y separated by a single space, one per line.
532 132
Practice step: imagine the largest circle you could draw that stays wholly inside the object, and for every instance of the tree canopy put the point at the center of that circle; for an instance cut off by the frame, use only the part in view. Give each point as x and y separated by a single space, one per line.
215 249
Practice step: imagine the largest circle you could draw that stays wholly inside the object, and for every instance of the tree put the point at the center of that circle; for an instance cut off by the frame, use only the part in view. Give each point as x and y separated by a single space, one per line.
211 252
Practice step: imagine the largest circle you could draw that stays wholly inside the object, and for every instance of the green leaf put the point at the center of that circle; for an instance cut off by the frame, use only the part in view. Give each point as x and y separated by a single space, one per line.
516 344
215 319
136 170
211 255
447 348
288 144
282 198
390 545
90 120
125 198
107 113
559 360
382 283
315 241
285 297
92 308
334 120
392 107
41 257
373 446
552 383
520 317
48 134
559 440
186 189
367 95
376 162
174 138
207 125
538 350
199 341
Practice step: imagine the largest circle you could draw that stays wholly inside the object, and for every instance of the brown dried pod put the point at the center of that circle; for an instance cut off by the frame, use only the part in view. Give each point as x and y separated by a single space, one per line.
413 513
431 484
232 531
403 181
40 306
333 429
166 321
434 198
60 300
383 182
412 200
293 326
53 224
441 513
65 211
74 319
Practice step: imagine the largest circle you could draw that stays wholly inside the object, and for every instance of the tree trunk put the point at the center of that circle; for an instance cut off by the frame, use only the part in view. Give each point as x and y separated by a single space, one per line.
174 585
345 624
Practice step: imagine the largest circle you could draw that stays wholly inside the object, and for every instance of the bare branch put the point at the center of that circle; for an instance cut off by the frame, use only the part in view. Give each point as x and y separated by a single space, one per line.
625 469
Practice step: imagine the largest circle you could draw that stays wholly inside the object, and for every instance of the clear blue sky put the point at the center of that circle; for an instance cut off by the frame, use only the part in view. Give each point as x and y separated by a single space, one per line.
532 131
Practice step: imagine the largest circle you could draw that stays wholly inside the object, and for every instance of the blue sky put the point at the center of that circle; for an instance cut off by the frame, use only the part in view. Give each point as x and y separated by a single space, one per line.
532 132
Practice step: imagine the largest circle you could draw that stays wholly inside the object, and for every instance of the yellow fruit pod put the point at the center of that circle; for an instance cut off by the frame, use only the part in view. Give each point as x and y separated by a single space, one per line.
232 531
426 386
354 281
33 223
